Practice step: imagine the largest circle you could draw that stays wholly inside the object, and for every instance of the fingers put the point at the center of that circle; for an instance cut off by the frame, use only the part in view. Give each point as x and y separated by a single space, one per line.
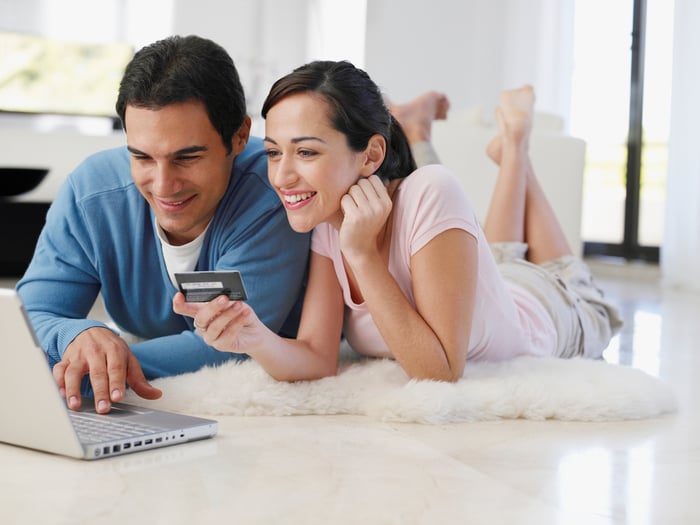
137 381
182 307
59 371
368 190
100 384
207 312
226 324
105 357
217 322
368 195
229 323
202 314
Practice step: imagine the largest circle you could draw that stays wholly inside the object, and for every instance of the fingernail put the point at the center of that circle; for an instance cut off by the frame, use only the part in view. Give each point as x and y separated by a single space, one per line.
102 405
222 300
73 401
116 393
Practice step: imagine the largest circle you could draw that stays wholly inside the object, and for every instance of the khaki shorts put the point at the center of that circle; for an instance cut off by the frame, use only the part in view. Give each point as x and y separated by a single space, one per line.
585 322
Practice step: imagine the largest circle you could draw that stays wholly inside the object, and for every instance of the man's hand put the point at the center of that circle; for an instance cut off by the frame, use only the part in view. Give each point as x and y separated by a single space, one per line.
111 365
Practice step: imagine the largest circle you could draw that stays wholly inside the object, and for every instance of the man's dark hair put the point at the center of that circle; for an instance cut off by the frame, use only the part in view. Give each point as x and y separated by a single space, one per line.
181 68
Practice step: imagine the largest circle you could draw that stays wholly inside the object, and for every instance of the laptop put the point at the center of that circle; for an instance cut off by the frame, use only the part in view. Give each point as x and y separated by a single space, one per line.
34 415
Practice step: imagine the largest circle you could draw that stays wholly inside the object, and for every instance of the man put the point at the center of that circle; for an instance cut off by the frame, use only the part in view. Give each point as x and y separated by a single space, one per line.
189 192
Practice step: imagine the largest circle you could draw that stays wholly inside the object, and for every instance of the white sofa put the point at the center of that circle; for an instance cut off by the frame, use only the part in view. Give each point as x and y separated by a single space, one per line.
558 161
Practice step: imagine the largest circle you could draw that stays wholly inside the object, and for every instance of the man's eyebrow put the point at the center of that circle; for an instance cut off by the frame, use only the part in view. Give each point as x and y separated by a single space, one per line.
189 150
135 151
184 151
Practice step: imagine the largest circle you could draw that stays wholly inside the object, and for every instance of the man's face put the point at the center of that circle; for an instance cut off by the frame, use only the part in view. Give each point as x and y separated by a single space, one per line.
180 165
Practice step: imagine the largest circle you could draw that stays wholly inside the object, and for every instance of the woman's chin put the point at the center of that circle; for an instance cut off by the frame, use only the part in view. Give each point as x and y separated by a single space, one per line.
300 227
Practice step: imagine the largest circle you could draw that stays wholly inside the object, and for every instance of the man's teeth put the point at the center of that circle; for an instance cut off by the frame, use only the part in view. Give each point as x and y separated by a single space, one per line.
298 197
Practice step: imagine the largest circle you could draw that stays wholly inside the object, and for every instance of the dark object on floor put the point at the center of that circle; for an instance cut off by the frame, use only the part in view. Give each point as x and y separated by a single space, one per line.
16 181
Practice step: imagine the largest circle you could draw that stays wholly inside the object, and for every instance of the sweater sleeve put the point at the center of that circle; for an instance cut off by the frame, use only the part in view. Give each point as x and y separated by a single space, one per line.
61 282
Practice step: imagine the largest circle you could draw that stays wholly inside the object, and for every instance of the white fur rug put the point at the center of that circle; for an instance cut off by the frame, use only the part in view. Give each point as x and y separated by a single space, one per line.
527 387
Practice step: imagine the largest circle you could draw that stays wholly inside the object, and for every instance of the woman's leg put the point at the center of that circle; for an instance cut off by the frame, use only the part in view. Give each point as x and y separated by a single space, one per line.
519 209
416 118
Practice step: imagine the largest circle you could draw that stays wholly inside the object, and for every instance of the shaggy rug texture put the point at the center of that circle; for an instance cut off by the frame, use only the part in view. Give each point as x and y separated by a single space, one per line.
526 387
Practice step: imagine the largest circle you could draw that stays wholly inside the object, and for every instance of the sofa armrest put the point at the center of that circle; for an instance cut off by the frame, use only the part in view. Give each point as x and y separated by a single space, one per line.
558 161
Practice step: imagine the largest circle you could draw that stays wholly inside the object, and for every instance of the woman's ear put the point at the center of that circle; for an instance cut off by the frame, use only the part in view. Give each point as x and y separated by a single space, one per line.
374 155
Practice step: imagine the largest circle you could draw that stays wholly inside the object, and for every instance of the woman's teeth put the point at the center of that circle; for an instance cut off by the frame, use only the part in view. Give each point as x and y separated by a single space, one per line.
298 197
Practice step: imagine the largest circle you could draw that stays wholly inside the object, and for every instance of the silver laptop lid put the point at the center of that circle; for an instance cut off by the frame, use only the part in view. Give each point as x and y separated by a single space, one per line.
32 412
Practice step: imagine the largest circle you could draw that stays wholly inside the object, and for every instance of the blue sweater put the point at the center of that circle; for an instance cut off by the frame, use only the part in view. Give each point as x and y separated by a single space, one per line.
100 236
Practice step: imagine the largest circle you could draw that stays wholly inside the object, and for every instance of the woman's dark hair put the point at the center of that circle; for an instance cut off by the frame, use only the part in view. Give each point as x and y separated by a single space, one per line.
178 69
357 107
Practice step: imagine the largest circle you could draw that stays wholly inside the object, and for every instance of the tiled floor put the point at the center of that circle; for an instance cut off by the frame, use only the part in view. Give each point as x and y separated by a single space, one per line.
347 469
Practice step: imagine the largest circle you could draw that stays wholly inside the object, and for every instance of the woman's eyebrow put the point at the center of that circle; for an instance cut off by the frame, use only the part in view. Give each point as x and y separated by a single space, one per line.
296 140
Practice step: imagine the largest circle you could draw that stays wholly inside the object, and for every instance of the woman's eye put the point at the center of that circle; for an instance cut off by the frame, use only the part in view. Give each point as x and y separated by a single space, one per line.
306 153
271 153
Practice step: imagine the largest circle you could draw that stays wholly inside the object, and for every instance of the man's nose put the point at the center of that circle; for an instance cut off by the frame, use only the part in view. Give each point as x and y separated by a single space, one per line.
165 180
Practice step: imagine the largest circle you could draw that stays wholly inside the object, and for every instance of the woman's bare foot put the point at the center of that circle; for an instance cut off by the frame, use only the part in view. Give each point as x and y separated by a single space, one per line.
416 116
514 116
516 112
494 149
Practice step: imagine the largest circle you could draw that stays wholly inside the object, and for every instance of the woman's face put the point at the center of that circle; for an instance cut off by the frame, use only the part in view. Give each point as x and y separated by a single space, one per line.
309 162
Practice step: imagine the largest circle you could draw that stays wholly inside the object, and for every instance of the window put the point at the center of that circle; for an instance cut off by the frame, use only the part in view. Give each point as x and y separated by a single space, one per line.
620 107
48 75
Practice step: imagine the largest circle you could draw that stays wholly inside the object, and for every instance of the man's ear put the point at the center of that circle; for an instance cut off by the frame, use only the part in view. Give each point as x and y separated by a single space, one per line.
375 152
241 136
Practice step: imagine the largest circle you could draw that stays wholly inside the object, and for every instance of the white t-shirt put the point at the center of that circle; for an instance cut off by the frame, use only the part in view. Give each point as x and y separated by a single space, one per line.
508 321
181 258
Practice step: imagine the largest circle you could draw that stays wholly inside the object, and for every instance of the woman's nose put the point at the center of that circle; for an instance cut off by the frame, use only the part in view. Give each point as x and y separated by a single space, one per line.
282 173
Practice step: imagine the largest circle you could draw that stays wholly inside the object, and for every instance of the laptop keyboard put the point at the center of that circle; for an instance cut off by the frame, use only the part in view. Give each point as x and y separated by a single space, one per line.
91 430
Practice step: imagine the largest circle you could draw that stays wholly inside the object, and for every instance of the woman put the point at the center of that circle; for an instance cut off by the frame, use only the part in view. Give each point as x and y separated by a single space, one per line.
399 261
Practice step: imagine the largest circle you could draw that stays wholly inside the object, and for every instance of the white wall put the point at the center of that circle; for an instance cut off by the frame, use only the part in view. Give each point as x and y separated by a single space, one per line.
472 49
266 38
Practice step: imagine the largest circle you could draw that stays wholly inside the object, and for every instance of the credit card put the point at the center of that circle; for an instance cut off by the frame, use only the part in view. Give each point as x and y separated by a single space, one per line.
202 287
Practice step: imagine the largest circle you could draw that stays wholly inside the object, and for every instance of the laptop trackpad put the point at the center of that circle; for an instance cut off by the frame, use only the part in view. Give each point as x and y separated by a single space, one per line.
118 409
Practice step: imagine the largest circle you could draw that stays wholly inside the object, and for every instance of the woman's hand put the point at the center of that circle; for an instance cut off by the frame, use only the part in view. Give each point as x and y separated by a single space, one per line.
228 326
366 207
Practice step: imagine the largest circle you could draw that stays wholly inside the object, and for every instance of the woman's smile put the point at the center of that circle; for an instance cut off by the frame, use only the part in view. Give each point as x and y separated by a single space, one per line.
295 201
